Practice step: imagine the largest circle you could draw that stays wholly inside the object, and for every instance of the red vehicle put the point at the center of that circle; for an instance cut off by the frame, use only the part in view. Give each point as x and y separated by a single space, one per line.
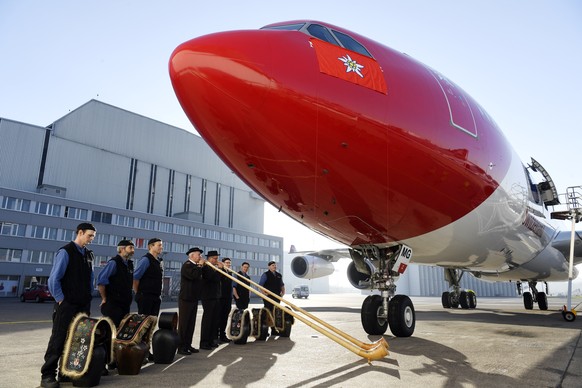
38 293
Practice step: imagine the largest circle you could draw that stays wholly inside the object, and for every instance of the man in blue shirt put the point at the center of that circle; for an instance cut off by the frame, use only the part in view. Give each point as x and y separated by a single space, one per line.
71 284
115 281
147 279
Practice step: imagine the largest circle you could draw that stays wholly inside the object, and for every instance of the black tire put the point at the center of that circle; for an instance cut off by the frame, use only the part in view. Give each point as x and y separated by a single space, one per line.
401 316
371 323
542 301
569 316
472 299
22 298
528 301
446 300
464 300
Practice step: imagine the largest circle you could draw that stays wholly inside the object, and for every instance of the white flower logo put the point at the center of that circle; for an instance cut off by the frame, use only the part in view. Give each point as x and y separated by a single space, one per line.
352 65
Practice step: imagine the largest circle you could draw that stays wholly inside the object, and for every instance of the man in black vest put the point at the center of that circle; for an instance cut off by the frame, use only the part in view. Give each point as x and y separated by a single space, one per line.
272 281
190 283
209 294
242 295
147 280
71 284
115 281
225 301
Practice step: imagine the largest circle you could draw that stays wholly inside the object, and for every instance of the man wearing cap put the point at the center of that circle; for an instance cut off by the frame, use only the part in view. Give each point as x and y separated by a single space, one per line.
71 284
115 281
147 280
272 281
190 283
209 294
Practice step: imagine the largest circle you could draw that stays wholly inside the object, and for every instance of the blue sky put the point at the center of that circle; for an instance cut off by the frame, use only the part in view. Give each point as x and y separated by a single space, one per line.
519 59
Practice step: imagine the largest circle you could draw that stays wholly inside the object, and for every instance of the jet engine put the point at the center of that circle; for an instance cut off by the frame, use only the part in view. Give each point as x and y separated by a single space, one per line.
361 281
311 267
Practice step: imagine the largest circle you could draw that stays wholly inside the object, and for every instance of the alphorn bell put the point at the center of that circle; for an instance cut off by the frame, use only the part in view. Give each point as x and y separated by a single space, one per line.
371 352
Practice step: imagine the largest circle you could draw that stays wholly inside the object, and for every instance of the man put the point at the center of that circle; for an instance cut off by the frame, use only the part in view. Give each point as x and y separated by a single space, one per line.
190 283
209 294
225 301
242 295
115 281
147 280
71 284
272 281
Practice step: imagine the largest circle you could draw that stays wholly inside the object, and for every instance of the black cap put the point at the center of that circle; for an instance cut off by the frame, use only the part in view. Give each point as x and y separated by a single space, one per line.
125 243
85 226
195 249
270 263
153 240
212 253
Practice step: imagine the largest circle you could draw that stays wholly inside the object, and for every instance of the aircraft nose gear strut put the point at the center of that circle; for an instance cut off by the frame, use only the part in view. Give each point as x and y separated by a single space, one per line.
456 296
384 265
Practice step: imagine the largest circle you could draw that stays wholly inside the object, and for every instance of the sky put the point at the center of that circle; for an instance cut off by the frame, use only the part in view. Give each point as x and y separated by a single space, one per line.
519 59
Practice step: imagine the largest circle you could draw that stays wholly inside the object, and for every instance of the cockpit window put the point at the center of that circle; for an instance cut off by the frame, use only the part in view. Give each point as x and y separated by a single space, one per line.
288 27
322 33
350 43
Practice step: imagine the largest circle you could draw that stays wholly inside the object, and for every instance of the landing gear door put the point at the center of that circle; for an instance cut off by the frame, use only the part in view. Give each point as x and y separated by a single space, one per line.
403 259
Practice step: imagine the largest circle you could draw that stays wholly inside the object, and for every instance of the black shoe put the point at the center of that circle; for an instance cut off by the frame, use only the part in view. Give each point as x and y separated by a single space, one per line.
63 379
104 372
224 340
205 346
49 382
274 333
150 357
193 350
214 344
112 365
184 351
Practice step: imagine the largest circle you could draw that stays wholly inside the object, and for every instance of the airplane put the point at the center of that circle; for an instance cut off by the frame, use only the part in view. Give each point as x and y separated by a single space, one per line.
375 150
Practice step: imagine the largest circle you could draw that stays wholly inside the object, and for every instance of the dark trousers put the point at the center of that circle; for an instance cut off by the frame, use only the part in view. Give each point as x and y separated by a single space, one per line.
63 314
242 302
148 304
225 305
187 311
209 327
115 312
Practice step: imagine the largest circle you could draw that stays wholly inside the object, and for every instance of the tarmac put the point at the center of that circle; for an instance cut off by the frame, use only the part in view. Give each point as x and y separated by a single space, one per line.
499 344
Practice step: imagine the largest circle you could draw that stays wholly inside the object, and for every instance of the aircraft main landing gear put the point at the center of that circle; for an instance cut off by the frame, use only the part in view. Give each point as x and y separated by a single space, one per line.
456 297
533 296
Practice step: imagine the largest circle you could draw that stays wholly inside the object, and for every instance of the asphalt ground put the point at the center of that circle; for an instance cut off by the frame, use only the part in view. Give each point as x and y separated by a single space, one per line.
499 344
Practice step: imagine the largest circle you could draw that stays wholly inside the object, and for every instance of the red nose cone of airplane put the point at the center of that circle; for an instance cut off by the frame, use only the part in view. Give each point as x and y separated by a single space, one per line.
333 154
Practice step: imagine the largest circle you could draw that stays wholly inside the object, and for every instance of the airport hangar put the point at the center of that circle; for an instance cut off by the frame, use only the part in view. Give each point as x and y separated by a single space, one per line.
135 177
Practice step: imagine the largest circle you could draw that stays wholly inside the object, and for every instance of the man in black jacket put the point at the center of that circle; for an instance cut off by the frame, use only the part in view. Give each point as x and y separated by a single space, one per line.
209 294
114 283
71 284
225 301
190 283
147 280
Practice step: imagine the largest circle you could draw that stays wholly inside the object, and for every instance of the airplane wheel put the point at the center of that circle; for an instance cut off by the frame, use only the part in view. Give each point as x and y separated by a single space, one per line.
372 310
446 300
527 300
453 302
472 299
569 316
401 316
464 300
542 301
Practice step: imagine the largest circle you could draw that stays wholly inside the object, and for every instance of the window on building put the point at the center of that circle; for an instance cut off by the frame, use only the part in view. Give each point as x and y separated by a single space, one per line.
103 217
165 227
41 257
275 244
18 204
102 239
12 229
44 232
145 224
49 209
10 255
100 261
125 220
76 213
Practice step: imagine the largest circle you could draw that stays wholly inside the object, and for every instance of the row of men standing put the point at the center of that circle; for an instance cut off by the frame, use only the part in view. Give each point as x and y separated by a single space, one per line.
71 280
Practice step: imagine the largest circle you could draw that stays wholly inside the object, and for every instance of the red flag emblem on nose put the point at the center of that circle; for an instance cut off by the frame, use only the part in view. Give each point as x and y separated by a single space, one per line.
349 65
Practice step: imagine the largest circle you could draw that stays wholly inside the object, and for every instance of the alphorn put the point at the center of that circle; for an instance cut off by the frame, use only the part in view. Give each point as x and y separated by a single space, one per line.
374 352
